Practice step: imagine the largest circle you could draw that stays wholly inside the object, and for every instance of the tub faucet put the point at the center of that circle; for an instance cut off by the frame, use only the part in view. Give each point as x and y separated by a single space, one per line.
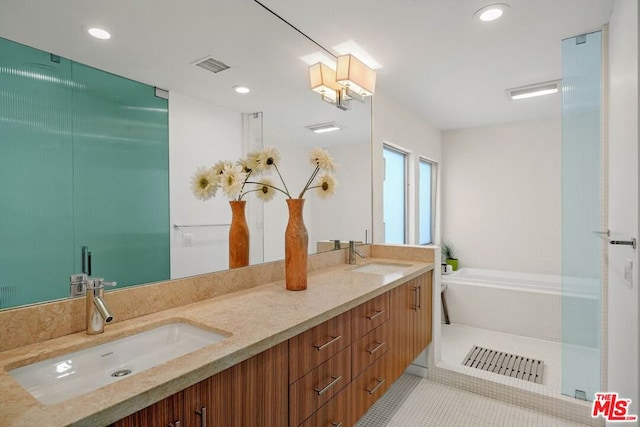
353 251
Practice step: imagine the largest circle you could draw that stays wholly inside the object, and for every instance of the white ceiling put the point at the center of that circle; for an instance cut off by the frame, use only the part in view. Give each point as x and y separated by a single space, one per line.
437 60
449 68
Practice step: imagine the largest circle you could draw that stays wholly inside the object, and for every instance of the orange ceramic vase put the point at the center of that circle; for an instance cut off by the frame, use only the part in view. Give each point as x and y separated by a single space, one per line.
296 243
238 236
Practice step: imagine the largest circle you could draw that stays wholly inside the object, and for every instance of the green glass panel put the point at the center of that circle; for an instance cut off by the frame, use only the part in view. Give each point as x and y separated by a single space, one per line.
121 177
581 215
36 222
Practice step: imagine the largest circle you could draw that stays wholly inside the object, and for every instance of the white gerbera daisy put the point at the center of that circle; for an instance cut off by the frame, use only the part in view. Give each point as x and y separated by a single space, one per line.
219 167
265 189
327 184
268 157
231 180
249 163
321 158
204 184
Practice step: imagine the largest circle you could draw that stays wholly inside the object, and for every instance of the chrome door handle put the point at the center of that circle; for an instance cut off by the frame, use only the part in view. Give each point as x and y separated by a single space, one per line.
631 242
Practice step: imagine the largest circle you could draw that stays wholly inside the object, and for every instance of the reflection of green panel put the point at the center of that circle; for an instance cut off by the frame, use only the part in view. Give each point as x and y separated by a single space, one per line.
36 225
121 166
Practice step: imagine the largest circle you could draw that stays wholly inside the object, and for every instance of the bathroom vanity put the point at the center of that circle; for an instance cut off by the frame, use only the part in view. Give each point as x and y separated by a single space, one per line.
312 358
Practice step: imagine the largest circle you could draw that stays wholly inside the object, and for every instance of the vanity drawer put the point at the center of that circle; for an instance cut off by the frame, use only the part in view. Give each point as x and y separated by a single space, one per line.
316 388
369 315
311 348
337 412
372 383
369 348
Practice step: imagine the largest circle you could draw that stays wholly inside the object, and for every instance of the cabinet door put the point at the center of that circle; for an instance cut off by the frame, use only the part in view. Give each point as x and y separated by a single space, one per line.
209 401
372 383
423 312
260 389
337 412
401 324
161 414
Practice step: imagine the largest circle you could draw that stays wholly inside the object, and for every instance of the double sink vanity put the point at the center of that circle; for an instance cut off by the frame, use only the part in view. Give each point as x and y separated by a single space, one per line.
254 354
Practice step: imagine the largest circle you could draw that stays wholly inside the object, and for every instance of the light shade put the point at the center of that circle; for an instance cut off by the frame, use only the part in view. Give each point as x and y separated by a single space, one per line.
530 91
355 75
323 81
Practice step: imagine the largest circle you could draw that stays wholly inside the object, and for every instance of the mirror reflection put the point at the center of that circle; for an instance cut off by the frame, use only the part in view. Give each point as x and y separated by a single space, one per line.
207 121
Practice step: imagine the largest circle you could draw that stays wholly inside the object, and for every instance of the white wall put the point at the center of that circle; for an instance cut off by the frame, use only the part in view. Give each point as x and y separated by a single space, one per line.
501 196
346 215
623 354
200 134
396 125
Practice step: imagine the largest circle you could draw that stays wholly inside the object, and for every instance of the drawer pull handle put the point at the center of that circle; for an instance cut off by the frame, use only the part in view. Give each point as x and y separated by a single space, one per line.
377 386
338 424
328 343
328 386
176 424
377 347
376 314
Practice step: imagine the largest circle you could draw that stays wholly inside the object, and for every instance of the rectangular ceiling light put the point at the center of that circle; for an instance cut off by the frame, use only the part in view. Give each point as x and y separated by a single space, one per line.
324 127
538 89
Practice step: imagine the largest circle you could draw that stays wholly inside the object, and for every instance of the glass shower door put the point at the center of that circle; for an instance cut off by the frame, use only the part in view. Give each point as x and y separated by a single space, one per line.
582 248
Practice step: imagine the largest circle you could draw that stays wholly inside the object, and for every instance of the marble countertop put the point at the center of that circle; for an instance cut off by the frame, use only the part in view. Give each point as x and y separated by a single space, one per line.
255 319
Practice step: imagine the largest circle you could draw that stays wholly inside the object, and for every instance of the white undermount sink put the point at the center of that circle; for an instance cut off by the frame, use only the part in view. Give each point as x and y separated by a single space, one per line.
381 268
73 374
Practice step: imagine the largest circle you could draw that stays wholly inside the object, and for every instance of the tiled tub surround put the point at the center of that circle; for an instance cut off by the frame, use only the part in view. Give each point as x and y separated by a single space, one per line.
250 304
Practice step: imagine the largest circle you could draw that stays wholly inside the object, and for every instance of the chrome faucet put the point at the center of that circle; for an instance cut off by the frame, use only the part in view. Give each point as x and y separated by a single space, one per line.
97 312
353 251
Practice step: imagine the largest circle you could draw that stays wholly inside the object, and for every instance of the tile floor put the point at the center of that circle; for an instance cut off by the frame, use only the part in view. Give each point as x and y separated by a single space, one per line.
416 401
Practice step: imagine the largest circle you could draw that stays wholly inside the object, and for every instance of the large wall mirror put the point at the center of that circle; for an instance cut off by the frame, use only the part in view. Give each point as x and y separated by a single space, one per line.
158 44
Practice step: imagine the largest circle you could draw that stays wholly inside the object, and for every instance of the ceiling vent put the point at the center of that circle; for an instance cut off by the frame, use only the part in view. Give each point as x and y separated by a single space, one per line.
211 64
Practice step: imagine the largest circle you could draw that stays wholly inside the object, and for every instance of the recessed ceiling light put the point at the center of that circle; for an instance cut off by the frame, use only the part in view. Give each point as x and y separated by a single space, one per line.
538 89
491 12
324 127
99 33
241 89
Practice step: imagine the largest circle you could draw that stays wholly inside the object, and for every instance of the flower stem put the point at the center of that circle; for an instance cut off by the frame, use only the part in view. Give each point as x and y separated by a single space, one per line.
282 180
311 178
266 185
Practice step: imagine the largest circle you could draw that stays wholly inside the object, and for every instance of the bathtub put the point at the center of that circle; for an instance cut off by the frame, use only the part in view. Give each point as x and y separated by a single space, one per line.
515 303
524 304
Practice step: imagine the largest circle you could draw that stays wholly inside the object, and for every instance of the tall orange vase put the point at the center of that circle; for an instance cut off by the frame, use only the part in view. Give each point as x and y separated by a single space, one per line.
296 244
238 236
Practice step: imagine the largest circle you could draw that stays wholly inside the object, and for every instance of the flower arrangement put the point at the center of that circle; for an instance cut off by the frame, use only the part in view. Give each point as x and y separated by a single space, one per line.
246 176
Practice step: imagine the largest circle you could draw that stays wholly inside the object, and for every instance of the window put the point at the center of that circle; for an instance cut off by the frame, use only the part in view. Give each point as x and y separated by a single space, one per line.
394 195
426 200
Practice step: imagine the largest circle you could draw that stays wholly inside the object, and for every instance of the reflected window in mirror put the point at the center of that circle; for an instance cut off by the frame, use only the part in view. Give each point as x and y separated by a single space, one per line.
395 195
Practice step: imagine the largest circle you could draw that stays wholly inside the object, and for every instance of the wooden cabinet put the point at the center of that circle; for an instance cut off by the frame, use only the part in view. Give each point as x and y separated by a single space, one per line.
253 392
410 322
328 376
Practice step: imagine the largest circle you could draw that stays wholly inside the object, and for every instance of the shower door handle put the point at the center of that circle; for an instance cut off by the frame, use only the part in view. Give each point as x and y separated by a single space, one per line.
598 233
631 242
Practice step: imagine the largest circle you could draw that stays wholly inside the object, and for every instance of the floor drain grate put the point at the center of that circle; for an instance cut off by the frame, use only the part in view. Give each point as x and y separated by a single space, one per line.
524 368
